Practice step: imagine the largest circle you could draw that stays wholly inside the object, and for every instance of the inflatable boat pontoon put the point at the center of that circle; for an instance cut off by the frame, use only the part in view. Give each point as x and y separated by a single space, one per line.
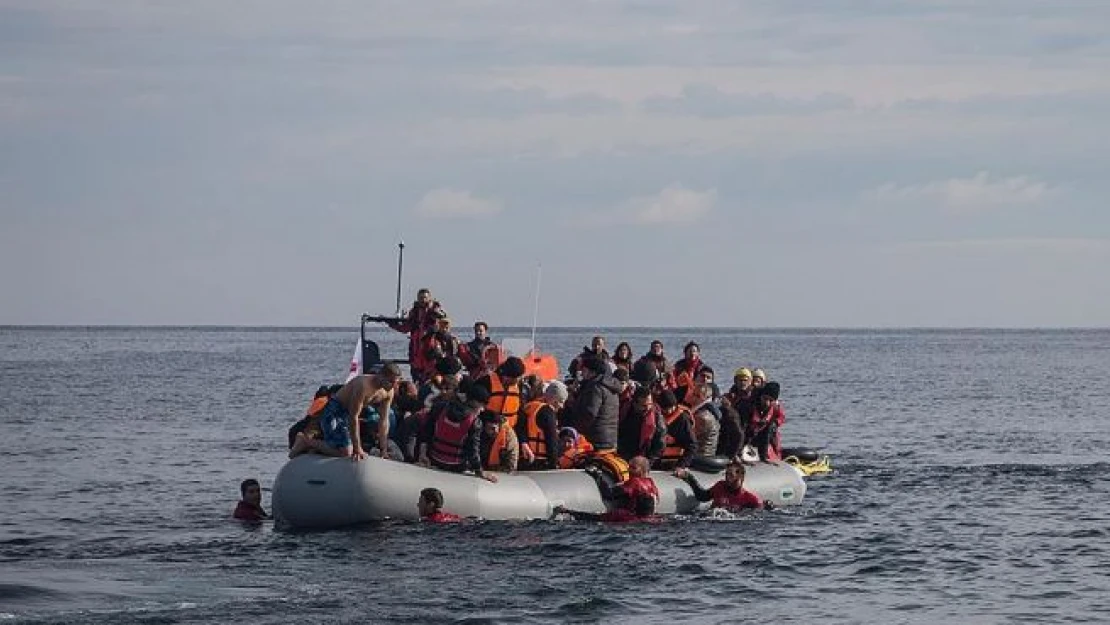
313 491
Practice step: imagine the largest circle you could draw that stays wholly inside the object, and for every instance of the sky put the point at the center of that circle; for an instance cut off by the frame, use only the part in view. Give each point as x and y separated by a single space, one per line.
824 163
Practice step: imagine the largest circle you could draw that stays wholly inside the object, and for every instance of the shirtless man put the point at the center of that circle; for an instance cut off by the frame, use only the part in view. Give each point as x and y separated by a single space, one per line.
339 419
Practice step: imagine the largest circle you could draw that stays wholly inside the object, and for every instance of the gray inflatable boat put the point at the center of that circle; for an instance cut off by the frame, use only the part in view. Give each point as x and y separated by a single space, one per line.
313 491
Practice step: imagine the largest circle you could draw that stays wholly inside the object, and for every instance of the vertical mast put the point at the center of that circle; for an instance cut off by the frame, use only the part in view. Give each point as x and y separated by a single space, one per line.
400 266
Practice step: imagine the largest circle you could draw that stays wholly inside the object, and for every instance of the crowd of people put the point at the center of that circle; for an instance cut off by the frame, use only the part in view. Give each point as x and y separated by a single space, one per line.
469 408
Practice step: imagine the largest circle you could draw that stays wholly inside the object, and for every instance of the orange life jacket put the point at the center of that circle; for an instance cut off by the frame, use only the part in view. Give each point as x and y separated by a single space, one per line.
575 455
317 406
536 438
672 451
504 401
494 461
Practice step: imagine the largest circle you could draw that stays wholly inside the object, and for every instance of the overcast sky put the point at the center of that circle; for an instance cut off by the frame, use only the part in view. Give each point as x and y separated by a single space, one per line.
678 163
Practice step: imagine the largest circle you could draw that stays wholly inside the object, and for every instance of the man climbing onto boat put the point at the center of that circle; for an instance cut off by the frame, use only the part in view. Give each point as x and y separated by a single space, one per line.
728 493
633 499
339 421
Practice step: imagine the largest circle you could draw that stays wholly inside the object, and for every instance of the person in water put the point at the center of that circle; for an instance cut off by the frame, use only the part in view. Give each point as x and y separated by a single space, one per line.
339 421
634 499
728 493
250 504
430 506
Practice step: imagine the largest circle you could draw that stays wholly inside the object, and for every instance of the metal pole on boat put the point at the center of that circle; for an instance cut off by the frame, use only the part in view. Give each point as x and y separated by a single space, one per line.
536 308
400 266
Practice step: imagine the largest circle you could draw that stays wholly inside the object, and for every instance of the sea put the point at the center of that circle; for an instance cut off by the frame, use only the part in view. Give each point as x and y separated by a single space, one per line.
971 484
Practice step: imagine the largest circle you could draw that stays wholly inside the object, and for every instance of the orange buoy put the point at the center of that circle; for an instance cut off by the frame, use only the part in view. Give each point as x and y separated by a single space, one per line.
543 366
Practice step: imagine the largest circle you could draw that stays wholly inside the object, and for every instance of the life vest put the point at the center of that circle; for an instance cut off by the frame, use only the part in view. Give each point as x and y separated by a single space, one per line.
733 500
494 460
672 451
504 401
636 487
684 377
441 517
611 463
537 440
317 406
577 454
450 437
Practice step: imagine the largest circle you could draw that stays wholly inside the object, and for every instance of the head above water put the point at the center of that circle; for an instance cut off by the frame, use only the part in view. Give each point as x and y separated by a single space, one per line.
735 471
431 500
251 491
639 467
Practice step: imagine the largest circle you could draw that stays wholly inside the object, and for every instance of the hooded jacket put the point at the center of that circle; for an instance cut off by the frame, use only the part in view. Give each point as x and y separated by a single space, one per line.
597 410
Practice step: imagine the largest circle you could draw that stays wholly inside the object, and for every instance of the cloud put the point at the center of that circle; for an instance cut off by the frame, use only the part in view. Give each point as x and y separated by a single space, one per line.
675 204
705 100
980 191
452 204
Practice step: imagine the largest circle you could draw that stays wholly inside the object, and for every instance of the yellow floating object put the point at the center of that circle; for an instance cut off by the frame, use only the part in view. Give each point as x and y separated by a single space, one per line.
821 466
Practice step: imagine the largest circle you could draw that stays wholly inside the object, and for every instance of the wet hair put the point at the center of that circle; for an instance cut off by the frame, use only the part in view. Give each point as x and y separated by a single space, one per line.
645 505
433 496
391 370
247 483
667 400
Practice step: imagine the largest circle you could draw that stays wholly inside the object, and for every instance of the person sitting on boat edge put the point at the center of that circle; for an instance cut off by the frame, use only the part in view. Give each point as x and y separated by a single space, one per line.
310 423
500 448
539 429
597 406
728 493
633 499
576 449
505 399
430 506
707 425
339 421
451 440
638 421
250 504
680 444
766 420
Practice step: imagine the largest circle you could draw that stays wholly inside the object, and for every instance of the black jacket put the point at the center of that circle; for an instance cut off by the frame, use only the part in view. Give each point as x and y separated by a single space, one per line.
597 410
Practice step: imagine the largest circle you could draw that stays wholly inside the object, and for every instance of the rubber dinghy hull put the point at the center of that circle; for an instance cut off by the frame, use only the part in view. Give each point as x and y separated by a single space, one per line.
313 491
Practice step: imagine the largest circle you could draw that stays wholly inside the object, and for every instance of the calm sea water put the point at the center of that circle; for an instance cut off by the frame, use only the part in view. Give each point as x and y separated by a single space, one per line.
971 486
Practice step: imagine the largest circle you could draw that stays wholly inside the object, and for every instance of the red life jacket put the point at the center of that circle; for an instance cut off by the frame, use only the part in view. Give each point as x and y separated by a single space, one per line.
636 487
738 499
449 437
441 517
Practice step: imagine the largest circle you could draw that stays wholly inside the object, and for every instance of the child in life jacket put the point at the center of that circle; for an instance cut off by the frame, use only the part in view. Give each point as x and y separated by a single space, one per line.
430 506
576 449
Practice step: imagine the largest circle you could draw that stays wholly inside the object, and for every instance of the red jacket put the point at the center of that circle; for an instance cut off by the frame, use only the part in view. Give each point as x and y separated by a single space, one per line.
441 517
